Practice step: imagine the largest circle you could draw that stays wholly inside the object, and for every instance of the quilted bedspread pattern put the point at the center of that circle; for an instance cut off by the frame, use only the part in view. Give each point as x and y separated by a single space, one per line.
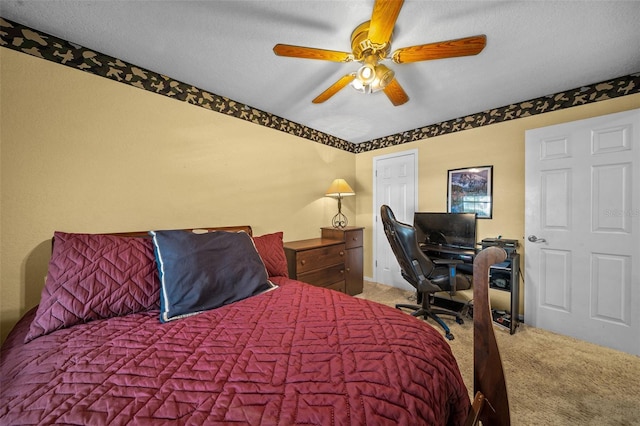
296 355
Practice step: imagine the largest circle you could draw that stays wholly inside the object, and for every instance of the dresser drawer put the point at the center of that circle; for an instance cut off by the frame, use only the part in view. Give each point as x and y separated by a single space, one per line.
318 258
351 235
339 286
324 277
353 238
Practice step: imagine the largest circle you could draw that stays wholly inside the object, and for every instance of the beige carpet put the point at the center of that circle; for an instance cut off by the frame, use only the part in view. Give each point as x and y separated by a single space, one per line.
551 379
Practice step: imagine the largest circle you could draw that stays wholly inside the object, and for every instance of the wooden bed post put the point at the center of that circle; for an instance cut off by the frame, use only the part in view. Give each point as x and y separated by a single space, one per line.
491 403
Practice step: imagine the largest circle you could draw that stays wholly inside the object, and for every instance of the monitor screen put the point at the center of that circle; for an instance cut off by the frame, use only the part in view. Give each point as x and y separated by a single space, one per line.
456 230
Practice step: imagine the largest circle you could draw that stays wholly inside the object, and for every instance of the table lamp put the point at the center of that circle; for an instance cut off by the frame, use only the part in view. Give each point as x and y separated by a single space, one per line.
339 188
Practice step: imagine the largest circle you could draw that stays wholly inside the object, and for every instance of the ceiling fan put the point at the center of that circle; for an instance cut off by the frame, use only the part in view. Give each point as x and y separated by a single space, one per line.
370 44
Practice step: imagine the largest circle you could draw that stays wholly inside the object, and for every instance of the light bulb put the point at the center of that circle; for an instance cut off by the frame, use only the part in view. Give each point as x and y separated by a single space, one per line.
366 74
357 85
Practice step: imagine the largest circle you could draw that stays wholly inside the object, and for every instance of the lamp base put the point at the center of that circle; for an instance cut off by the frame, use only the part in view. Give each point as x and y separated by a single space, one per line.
339 221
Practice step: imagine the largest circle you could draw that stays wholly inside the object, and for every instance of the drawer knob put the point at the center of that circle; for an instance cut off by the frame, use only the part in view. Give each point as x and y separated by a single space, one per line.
348 269
341 253
302 262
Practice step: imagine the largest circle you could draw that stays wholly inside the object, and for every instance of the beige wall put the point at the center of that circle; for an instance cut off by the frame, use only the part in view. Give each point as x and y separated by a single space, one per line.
80 153
500 145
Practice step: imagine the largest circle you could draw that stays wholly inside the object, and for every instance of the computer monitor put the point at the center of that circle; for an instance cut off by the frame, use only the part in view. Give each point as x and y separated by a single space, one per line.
454 230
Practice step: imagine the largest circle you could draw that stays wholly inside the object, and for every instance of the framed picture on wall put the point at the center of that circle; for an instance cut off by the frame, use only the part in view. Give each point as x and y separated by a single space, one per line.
470 190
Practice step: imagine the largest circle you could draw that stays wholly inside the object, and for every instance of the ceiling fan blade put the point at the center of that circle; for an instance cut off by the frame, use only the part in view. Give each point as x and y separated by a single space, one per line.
311 53
335 88
383 19
443 49
396 93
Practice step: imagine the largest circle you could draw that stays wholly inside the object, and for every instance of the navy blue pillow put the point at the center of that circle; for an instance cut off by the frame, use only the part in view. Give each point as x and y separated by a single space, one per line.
199 272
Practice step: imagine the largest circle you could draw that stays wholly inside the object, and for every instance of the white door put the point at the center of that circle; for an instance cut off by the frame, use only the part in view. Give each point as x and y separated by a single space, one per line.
394 185
582 228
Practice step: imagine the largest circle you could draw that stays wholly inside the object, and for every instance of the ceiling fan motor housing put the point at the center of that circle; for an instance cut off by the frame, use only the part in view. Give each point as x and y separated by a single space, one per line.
362 47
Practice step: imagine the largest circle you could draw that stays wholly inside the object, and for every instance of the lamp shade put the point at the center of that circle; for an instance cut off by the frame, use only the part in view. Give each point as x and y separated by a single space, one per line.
339 188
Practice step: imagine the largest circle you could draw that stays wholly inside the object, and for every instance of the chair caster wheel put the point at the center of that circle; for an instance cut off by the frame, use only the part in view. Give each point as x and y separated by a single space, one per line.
449 336
459 320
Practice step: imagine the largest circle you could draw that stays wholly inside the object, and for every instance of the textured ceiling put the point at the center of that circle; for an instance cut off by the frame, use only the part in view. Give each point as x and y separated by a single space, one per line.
534 48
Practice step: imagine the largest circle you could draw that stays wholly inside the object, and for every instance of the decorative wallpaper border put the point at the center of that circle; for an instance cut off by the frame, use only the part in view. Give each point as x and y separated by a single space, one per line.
621 86
24 39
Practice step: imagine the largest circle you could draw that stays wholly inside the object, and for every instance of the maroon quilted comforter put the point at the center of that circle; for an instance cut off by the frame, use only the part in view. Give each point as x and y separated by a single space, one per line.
296 355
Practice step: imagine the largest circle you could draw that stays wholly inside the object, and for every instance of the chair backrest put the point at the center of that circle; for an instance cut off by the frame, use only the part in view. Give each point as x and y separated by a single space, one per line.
414 264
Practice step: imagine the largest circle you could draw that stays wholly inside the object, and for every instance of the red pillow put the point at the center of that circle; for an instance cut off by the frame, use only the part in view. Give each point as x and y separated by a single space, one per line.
271 250
93 276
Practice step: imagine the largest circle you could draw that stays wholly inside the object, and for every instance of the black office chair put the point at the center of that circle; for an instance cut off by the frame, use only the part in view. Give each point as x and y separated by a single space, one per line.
426 275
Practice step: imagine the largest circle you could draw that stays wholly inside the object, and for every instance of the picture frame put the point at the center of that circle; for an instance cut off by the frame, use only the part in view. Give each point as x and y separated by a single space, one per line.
470 190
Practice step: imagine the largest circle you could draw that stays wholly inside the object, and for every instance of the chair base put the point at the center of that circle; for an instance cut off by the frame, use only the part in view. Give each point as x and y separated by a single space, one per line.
431 312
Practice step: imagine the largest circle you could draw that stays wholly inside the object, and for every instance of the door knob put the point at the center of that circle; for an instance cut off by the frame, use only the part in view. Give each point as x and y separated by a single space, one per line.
535 239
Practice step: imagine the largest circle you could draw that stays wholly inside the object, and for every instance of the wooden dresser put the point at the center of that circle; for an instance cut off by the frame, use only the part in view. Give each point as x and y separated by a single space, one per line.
318 261
352 237
333 261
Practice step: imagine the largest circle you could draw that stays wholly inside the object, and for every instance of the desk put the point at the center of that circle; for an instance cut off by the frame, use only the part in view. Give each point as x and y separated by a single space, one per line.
436 251
502 277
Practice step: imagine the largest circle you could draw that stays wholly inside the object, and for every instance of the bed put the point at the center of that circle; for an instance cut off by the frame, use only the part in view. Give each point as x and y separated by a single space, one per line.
281 353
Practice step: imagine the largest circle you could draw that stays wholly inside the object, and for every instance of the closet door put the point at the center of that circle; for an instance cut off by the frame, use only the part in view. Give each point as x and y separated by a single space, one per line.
395 184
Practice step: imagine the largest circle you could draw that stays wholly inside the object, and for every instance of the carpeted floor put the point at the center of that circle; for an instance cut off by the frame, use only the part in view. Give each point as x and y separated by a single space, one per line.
551 379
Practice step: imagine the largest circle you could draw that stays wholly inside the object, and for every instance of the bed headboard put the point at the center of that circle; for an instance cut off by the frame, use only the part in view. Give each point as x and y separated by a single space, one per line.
145 234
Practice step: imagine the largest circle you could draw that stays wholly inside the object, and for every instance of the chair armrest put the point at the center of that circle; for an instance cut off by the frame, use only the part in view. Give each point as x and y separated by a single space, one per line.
452 271
423 284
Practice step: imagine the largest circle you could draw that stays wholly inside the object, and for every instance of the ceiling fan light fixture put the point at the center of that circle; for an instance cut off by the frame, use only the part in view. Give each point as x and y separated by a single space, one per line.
366 73
384 76
371 78
358 86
